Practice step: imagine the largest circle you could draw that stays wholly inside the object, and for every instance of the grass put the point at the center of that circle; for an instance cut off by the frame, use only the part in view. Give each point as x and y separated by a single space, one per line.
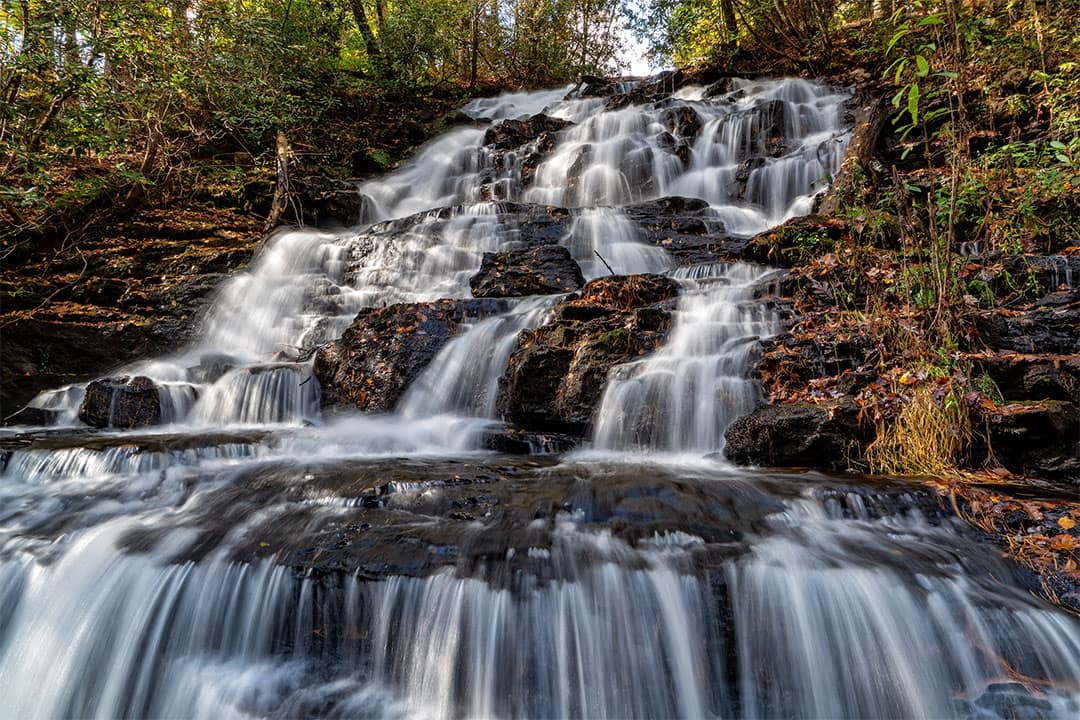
930 436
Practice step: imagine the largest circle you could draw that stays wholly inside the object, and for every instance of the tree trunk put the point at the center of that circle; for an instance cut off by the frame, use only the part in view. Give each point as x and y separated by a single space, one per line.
475 48
371 43
727 9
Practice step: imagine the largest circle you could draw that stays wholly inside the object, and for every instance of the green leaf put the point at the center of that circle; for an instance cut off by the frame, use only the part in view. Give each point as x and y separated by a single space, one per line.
900 69
898 98
895 39
935 19
924 66
913 102
946 74
1064 159
1058 145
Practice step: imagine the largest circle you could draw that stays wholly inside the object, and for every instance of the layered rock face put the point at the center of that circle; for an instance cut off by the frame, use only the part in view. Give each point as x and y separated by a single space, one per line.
556 377
385 350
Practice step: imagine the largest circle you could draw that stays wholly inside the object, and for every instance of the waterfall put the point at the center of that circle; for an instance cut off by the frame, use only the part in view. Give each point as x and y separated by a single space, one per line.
684 396
253 559
817 632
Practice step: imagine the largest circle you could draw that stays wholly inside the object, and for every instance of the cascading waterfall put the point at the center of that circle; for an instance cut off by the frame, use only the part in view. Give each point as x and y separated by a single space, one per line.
683 397
145 574
464 378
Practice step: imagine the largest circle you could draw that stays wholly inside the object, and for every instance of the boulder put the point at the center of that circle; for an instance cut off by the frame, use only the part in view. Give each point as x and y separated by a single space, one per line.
385 349
325 201
796 435
790 362
515 441
123 402
1037 438
683 121
684 228
542 270
555 379
511 134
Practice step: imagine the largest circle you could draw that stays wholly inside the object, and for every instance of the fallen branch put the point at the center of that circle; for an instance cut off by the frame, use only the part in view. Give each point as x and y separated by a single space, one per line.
604 261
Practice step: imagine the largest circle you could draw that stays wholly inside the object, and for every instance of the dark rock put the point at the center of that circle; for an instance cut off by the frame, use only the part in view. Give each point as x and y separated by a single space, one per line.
1015 80
1037 438
121 402
328 202
1042 330
512 134
656 88
744 171
385 349
1031 377
721 87
515 441
683 121
211 367
770 126
860 168
1048 272
556 377
32 416
594 86
796 435
789 362
685 229
543 270
796 240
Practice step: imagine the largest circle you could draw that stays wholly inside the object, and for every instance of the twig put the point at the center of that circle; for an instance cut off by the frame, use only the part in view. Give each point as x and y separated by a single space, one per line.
604 261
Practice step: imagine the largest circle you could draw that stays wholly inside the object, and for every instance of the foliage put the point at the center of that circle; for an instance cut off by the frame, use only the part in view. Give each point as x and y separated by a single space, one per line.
151 86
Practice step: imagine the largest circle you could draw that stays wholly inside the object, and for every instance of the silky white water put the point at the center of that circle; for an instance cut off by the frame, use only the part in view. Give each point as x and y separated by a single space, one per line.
156 573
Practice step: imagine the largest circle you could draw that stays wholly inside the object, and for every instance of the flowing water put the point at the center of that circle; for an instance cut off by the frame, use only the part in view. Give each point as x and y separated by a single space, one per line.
251 558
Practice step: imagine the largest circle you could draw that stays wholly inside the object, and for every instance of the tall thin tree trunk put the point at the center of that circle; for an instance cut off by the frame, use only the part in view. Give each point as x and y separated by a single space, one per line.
727 9
475 48
371 43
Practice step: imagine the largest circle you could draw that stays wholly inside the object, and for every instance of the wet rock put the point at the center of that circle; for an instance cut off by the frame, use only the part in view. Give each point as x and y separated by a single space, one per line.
683 121
1037 438
796 240
515 441
123 402
867 112
684 228
789 362
770 126
1031 377
211 367
543 270
539 150
32 416
385 349
1042 330
328 202
1013 700
555 379
796 435
743 172
721 87
656 88
594 86
511 134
